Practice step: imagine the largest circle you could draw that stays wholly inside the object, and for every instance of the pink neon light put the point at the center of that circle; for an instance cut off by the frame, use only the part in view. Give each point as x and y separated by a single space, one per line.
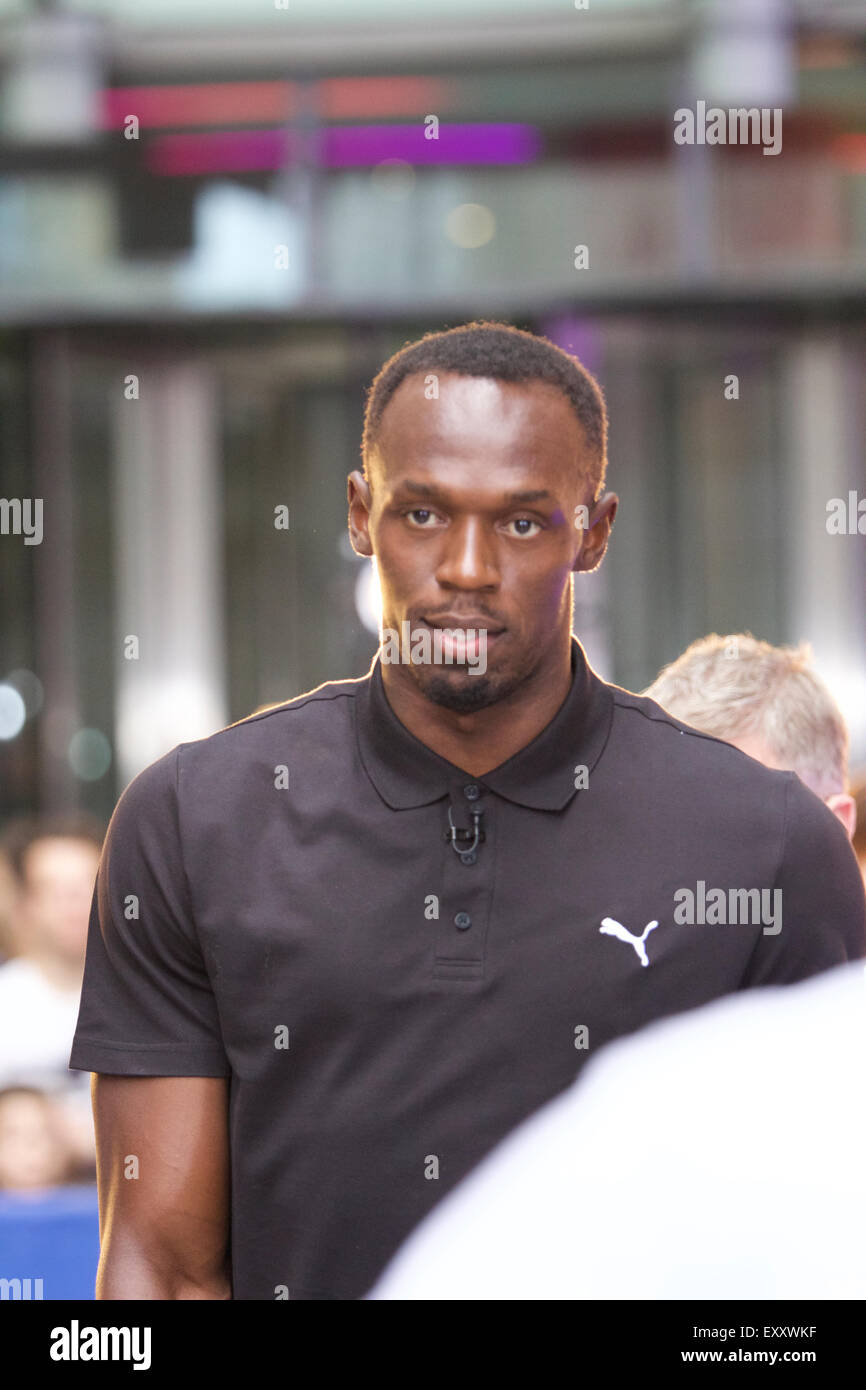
258 103
217 103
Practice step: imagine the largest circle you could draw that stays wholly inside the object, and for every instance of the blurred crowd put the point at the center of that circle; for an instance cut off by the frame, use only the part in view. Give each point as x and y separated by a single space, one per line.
47 872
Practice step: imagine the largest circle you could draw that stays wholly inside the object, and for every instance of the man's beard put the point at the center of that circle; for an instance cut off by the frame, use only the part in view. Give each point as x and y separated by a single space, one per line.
464 696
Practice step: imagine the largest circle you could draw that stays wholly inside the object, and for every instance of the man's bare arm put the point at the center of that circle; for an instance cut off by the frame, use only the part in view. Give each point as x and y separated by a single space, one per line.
165 1232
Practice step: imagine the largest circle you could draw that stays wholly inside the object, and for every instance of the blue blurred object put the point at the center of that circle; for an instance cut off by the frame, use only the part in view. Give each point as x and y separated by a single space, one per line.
52 1236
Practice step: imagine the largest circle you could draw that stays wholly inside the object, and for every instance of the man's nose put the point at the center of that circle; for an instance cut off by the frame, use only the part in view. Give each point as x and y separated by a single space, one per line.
469 558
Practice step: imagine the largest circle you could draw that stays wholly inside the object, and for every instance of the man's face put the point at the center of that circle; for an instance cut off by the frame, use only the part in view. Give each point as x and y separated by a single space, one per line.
472 523
59 874
32 1152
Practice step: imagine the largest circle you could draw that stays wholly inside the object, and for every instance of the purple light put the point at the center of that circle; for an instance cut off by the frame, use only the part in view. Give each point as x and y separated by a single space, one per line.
343 147
579 336
457 144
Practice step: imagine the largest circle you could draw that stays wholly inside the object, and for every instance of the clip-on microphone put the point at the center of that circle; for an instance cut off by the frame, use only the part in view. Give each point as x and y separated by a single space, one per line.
466 842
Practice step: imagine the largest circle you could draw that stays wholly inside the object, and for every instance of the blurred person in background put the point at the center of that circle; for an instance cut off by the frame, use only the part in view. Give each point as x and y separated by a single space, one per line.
53 863
8 894
36 1150
859 837
768 702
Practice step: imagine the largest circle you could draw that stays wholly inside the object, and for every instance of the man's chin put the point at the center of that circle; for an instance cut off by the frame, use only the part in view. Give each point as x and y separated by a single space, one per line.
460 690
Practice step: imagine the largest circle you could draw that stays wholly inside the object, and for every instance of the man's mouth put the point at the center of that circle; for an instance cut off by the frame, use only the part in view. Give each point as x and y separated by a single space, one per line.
464 639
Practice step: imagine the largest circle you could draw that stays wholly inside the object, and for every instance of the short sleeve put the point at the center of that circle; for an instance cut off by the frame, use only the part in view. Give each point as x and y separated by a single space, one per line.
821 905
147 1007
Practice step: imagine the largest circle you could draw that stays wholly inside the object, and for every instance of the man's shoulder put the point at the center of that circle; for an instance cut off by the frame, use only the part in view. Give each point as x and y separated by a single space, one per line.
649 727
655 722
321 714
327 705
318 721
697 777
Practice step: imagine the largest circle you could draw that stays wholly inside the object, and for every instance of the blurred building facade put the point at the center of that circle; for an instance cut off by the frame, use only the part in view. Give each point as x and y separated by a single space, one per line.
212 234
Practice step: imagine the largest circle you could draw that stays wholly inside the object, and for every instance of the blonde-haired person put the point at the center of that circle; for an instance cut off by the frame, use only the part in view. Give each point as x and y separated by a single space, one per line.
768 702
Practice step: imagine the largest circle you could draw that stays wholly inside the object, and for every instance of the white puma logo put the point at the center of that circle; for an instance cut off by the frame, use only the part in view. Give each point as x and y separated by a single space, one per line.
611 928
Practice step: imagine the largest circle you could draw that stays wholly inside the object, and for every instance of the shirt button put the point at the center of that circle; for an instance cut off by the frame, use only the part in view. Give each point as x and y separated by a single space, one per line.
472 792
462 921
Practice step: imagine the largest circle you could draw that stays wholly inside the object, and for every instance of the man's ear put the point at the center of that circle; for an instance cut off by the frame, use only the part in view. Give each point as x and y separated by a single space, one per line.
360 505
844 808
597 533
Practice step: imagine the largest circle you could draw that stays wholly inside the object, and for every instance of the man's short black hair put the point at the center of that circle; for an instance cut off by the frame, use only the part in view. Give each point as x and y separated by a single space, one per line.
504 353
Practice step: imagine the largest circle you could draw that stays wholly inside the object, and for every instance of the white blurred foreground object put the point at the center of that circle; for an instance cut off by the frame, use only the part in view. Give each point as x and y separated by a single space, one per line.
719 1154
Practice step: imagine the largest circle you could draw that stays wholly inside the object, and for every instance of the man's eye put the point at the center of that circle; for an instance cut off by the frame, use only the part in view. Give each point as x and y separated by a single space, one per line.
421 516
522 523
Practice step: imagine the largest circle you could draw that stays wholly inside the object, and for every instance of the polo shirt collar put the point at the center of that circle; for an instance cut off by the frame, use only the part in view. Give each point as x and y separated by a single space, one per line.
406 773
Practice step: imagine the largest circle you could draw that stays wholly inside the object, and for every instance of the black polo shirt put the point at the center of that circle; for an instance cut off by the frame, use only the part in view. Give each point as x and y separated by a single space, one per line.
280 903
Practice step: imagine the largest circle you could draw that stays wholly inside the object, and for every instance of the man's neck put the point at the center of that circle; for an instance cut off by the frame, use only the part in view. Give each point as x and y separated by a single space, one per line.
483 740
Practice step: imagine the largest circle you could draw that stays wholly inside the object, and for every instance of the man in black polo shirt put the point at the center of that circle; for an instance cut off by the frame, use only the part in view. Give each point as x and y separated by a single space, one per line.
339 949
